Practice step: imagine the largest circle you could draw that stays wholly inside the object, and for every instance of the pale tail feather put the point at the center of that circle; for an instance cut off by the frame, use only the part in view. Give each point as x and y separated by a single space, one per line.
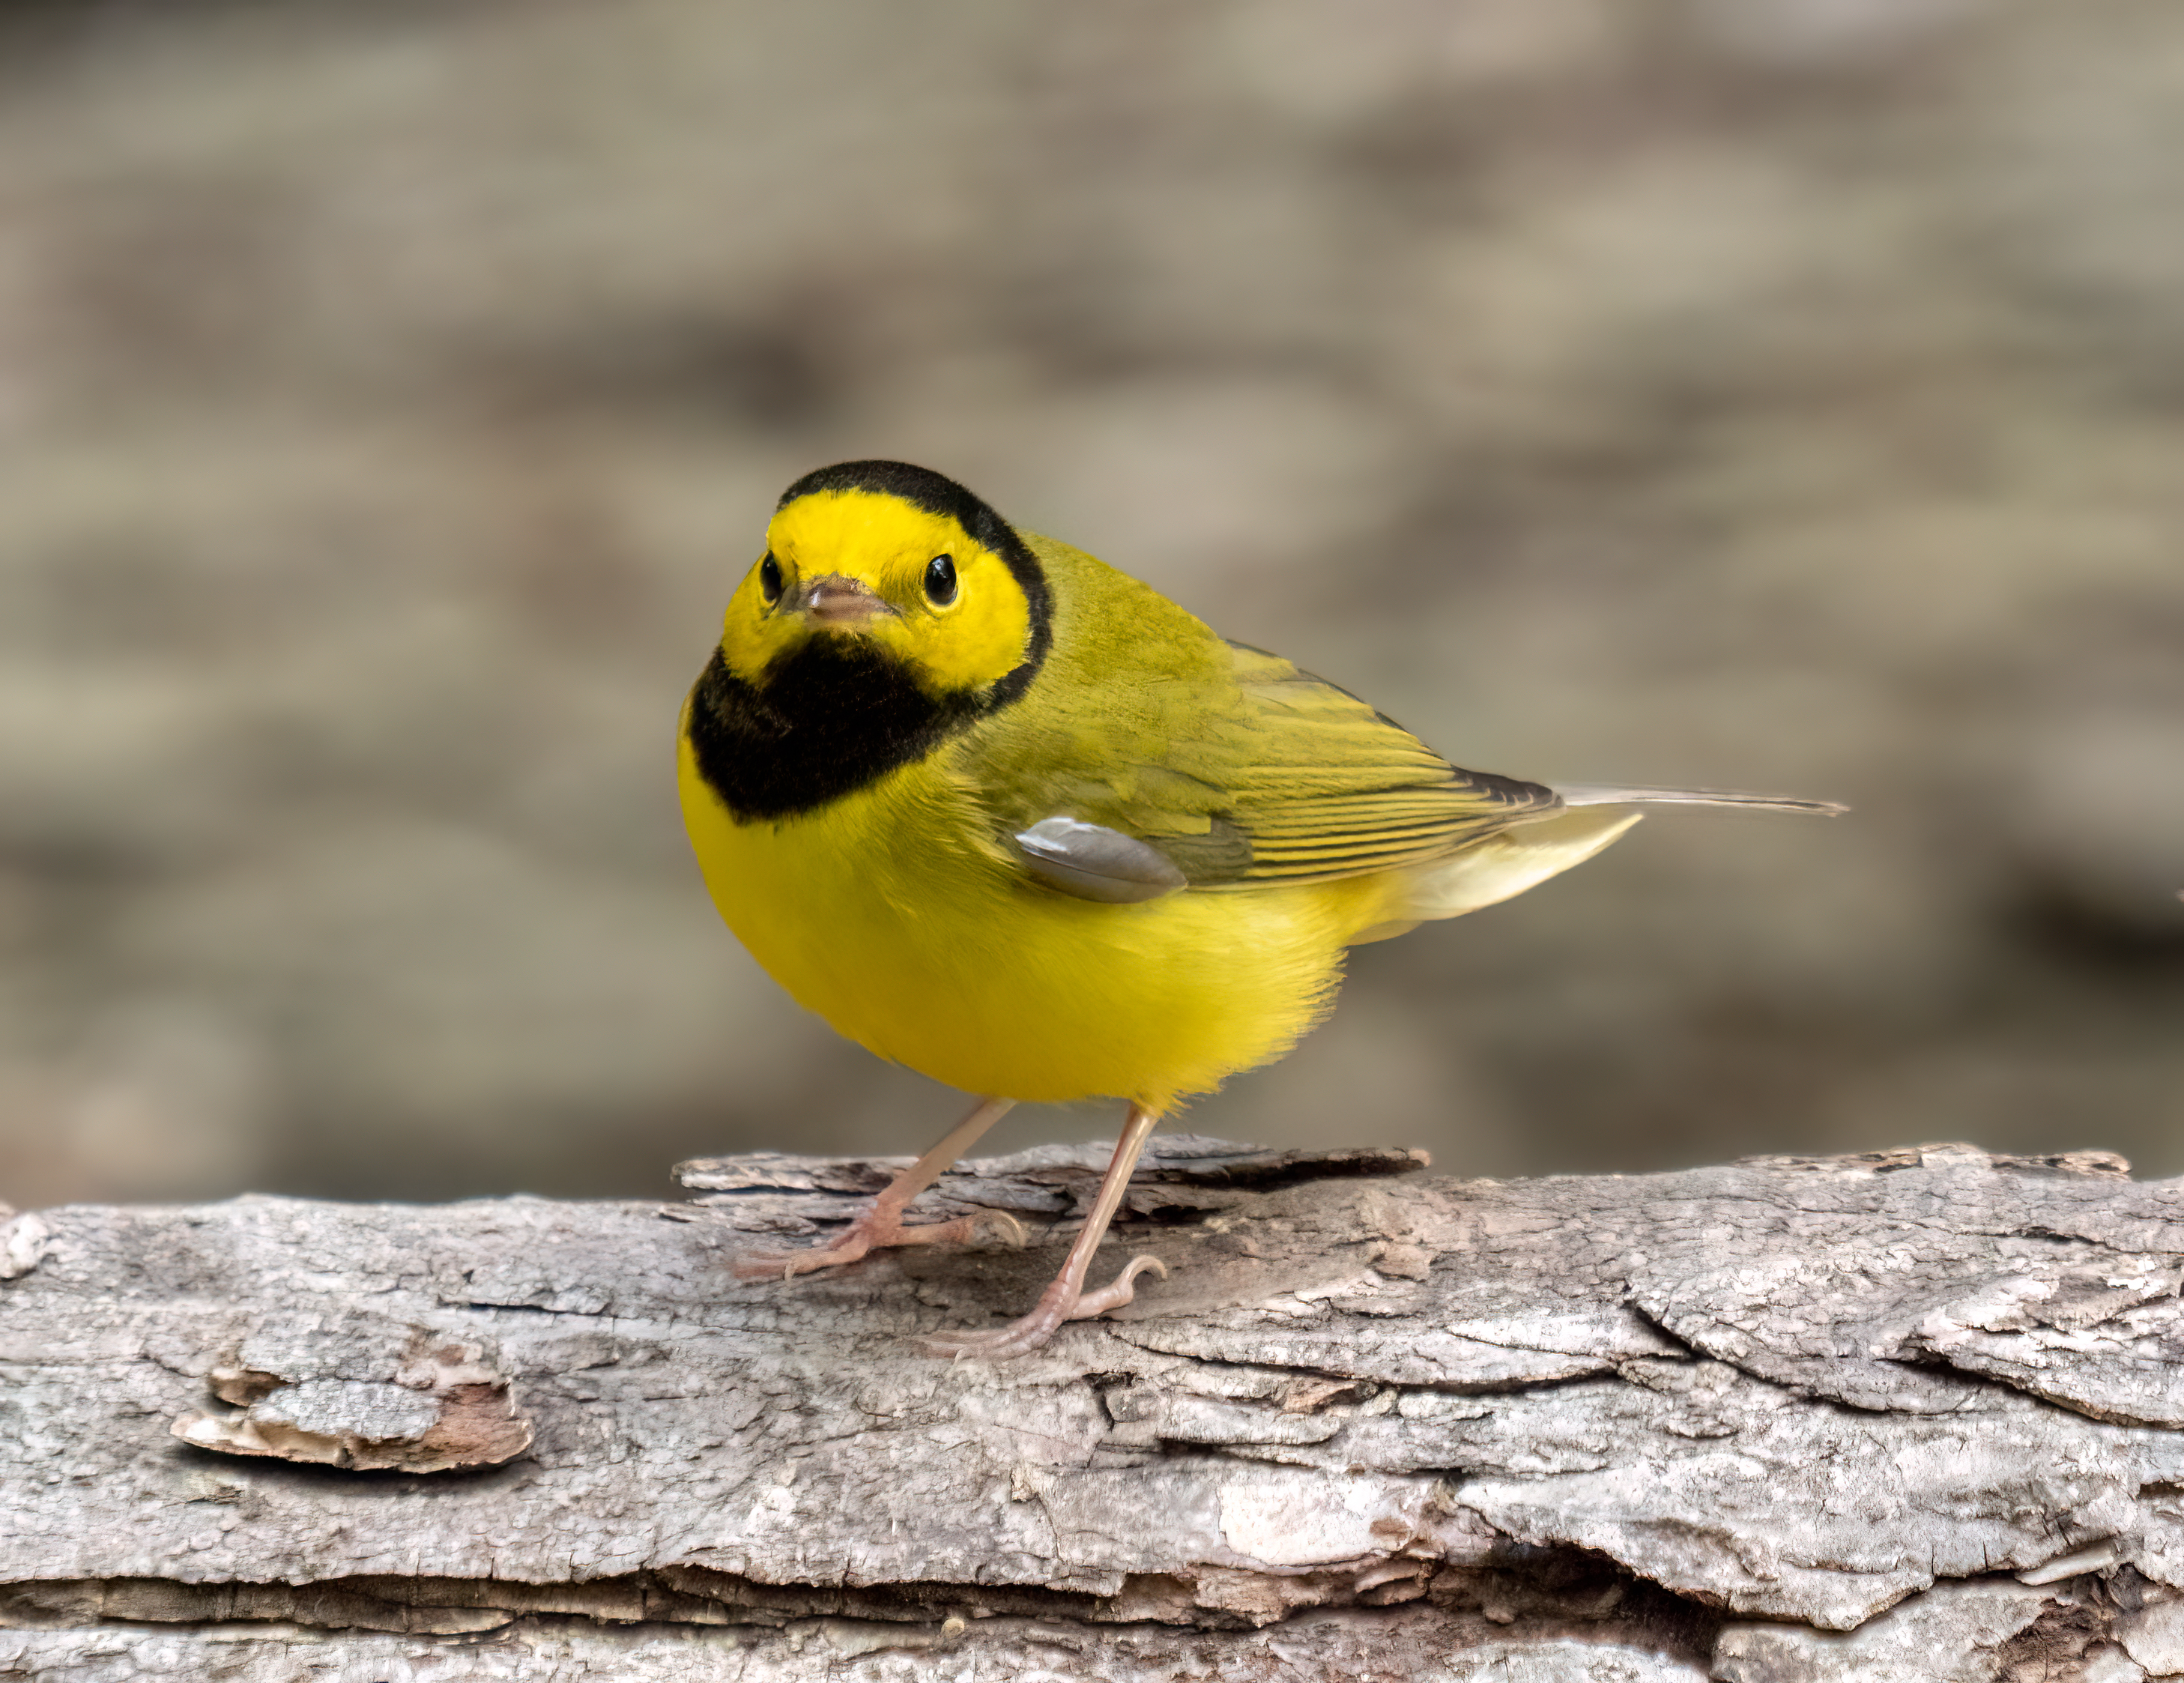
1505 863
1498 867
1617 794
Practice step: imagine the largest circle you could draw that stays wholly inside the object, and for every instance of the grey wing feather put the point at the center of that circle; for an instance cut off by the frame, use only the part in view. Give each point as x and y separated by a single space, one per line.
1093 862
1618 794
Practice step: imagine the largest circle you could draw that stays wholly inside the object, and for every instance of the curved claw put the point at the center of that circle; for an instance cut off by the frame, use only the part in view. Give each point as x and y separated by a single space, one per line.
1057 1304
1005 1227
1118 1290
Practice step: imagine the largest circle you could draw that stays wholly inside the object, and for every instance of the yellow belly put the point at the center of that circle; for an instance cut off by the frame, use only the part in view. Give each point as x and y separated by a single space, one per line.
885 913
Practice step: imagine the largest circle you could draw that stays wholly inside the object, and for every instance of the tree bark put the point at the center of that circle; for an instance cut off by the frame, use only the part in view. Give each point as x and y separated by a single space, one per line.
1916 1414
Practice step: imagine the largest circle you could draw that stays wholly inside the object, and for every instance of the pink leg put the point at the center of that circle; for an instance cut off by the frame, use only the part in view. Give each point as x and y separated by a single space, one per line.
882 1225
1066 1299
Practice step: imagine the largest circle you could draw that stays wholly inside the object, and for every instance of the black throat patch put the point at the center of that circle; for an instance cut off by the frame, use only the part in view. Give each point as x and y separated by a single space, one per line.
835 716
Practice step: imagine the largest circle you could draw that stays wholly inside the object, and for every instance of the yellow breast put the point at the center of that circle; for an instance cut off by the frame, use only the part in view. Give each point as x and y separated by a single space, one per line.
886 913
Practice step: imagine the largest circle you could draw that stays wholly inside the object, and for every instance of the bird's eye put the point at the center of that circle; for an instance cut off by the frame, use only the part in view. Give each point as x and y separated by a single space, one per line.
769 580
940 580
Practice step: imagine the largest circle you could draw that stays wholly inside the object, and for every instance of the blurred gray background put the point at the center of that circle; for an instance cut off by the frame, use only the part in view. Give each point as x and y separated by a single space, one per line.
1777 393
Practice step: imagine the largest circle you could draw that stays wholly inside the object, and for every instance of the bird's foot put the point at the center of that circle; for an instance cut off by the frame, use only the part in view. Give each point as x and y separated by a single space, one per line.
872 1231
1063 1300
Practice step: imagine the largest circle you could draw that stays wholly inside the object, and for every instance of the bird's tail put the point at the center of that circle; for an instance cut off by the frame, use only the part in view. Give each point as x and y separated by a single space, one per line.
1505 862
1618 794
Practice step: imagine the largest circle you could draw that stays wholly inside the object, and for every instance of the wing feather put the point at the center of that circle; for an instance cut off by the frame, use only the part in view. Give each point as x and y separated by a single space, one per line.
1327 786
1240 767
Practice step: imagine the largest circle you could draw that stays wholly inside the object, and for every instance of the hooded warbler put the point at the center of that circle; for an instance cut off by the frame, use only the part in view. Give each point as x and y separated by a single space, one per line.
1001 813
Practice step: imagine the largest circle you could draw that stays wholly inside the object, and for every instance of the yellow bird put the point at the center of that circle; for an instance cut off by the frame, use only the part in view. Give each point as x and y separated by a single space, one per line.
1003 814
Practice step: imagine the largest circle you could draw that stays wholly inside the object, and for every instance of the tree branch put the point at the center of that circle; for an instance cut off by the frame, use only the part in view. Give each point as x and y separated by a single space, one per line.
1375 1424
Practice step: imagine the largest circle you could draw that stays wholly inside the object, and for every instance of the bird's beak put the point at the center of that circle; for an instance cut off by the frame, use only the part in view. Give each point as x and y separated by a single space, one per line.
839 603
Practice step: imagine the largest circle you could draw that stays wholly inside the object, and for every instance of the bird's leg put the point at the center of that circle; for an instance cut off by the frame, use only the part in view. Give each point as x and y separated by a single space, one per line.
1066 1299
882 1225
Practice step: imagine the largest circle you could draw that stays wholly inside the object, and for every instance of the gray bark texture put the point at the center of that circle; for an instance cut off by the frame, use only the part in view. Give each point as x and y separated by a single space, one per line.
1912 1415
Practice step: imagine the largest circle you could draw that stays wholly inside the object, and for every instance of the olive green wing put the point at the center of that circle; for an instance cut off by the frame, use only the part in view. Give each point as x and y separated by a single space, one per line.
1230 763
1323 785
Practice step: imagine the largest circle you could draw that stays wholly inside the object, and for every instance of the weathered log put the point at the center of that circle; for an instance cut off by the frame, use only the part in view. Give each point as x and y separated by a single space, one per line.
1916 1414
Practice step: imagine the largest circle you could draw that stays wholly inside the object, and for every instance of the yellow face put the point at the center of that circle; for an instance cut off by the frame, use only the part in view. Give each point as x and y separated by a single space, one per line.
866 564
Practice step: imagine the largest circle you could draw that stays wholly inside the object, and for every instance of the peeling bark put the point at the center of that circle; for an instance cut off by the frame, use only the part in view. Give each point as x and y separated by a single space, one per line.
1911 1414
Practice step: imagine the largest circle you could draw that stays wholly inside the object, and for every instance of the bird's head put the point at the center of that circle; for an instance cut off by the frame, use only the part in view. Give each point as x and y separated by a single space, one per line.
893 570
